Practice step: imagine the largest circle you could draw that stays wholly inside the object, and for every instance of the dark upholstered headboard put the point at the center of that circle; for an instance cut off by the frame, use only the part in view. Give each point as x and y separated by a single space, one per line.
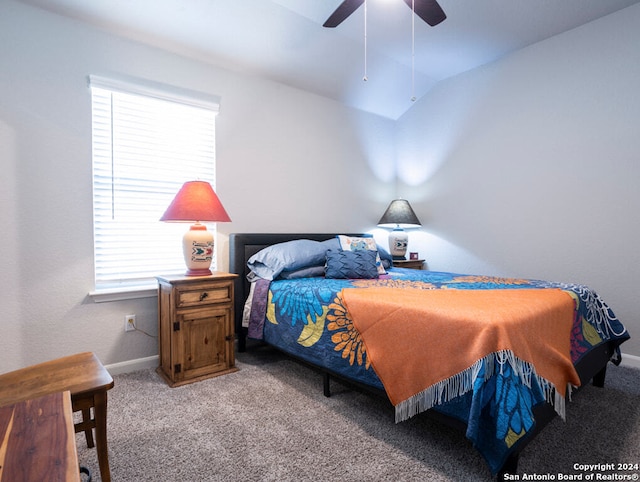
244 245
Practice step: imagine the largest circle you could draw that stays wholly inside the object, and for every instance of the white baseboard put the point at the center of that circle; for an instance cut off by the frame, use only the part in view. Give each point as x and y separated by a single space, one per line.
133 365
630 361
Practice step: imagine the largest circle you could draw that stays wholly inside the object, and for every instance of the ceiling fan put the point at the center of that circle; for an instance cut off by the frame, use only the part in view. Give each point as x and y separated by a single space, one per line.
427 10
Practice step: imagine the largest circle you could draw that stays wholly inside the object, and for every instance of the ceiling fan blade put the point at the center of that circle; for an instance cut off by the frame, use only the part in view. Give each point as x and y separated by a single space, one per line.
428 10
345 9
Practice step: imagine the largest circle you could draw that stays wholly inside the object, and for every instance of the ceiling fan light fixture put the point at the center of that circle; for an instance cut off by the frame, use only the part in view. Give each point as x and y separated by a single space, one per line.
428 10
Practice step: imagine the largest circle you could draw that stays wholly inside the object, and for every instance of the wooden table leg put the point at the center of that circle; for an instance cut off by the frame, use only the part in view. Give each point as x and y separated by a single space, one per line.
100 412
88 434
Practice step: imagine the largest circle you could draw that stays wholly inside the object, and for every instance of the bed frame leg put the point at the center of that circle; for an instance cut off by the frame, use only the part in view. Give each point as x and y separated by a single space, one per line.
326 384
510 467
242 340
598 378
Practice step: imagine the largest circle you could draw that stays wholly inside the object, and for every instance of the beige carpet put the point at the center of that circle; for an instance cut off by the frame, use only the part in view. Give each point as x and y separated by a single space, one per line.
270 422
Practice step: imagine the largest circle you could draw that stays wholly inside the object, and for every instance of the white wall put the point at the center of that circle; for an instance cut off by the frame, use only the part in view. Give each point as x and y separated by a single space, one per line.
525 167
287 161
529 167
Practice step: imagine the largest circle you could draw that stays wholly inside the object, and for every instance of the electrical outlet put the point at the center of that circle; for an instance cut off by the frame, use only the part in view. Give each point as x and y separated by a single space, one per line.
130 323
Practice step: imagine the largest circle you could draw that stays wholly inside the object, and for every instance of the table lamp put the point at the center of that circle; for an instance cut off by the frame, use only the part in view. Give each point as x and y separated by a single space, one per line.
196 202
399 215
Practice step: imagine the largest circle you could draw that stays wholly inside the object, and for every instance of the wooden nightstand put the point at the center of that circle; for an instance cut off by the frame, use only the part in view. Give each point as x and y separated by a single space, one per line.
195 327
409 263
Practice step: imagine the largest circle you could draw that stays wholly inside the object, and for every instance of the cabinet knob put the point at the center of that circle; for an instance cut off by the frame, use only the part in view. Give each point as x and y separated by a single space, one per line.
203 295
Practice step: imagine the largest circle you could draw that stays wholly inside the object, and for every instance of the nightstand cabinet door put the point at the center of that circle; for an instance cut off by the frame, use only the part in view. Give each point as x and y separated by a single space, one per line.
195 317
203 342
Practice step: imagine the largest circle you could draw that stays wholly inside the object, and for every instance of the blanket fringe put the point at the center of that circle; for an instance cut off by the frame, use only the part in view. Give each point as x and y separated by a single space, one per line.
463 382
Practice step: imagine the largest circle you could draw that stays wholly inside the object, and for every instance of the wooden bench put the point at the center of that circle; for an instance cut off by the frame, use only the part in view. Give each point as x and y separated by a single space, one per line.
37 440
85 378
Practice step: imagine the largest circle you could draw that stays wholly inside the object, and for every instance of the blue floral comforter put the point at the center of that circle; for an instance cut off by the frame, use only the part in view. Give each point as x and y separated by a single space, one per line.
306 318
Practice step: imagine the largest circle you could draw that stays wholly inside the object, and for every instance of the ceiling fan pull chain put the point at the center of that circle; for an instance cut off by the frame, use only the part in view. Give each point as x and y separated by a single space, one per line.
413 50
365 42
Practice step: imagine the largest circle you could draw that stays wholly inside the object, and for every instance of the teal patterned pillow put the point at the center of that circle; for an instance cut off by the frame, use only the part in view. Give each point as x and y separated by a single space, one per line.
351 264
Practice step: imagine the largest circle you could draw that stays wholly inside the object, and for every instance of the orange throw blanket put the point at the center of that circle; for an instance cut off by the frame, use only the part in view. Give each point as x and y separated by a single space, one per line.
425 344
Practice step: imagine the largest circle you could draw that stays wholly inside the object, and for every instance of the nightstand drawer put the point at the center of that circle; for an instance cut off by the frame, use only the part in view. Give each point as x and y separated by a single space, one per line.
204 295
409 263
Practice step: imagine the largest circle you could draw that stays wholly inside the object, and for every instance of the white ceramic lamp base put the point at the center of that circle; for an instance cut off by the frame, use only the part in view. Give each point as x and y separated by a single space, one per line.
198 250
398 241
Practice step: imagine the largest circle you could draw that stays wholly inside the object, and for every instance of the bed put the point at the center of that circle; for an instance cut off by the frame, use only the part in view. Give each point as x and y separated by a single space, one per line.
499 381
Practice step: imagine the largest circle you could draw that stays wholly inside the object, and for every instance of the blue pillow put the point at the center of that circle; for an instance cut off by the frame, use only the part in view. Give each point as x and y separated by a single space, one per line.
359 243
294 255
359 264
385 257
308 272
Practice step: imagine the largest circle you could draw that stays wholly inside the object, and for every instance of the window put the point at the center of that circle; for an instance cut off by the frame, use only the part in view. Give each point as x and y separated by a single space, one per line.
147 141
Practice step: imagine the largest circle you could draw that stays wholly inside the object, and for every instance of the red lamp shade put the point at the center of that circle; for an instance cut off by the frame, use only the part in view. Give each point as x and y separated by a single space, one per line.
196 201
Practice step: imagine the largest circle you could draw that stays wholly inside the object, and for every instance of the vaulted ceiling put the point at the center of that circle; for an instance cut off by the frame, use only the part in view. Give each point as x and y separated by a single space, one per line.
284 40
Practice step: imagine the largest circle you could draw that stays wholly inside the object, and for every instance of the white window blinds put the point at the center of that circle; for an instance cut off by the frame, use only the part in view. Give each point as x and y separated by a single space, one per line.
146 143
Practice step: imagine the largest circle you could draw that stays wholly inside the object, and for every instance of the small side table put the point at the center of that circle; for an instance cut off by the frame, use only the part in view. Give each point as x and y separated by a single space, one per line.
88 382
409 263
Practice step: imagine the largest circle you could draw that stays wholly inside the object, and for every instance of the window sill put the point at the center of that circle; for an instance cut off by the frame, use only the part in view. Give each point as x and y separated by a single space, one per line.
125 293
